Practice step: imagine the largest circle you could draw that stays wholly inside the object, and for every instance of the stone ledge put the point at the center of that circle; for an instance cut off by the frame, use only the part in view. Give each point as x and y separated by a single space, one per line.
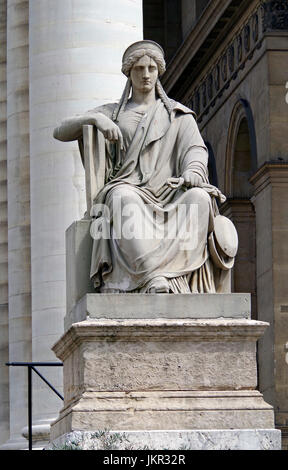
163 330
172 400
165 410
152 306
213 439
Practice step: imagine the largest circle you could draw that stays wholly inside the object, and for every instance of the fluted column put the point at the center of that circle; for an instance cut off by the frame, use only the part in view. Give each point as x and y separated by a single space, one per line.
19 287
4 348
75 56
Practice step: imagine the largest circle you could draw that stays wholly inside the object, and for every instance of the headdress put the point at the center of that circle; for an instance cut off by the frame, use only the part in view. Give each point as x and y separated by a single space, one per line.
131 55
140 48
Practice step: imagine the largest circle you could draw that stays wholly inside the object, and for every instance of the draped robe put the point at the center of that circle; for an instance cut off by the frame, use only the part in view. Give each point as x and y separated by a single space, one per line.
157 146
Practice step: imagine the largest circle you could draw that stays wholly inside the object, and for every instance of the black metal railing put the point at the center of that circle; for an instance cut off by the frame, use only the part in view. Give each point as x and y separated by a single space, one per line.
31 366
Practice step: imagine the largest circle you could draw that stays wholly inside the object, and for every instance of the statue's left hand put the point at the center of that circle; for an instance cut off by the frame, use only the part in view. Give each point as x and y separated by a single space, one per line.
191 179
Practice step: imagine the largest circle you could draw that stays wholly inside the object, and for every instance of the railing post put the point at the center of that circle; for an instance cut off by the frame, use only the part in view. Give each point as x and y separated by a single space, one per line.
29 408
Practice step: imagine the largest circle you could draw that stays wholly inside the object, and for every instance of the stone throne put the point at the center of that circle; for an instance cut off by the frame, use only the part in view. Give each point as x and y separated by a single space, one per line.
165 371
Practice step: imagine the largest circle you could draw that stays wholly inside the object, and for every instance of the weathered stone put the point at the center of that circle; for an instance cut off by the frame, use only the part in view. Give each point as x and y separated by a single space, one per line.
160 373
224 439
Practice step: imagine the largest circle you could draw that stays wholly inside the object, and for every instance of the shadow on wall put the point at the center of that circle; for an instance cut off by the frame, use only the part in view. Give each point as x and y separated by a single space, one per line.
241 164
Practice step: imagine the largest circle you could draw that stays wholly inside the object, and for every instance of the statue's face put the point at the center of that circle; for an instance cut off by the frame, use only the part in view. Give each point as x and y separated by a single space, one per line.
144 74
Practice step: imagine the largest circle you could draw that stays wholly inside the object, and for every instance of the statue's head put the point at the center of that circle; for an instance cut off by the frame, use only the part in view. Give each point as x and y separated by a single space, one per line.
138 55
140 49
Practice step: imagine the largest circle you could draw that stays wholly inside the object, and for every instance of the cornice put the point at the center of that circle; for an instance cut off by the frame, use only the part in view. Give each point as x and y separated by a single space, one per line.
193 41
228 67
200 45
270 173
242 209
208 83
158 330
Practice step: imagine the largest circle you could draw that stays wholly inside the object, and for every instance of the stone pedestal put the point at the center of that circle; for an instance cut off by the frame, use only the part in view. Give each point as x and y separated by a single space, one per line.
161 362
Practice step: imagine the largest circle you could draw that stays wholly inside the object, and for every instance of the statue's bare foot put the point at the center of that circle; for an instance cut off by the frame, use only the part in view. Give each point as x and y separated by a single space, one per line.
158 285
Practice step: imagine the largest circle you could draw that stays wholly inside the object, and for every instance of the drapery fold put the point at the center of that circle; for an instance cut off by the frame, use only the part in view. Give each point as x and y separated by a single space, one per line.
156 147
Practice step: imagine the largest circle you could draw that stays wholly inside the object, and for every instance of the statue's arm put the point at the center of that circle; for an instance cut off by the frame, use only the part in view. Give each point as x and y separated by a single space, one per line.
194 161
194 166
71 128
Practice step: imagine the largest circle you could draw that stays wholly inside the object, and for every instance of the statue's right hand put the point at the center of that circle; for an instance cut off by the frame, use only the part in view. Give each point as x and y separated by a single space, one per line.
109 129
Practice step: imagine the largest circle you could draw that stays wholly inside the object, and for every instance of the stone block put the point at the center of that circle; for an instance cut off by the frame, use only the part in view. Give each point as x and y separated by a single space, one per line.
123 306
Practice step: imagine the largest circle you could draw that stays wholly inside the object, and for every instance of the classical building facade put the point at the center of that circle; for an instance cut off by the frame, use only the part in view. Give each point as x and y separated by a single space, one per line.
227 60
230 68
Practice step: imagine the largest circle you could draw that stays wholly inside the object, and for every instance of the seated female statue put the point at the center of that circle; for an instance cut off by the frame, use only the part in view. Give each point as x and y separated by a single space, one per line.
151 142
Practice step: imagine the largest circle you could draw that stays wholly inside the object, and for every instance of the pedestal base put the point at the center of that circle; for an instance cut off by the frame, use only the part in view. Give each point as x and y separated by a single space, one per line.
162 368
212 439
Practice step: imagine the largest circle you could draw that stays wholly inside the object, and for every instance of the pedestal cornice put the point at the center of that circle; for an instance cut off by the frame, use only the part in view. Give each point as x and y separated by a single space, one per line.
158 330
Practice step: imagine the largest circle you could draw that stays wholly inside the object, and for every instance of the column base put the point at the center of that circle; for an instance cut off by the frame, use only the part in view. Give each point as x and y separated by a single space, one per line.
40 434
15 444
156 410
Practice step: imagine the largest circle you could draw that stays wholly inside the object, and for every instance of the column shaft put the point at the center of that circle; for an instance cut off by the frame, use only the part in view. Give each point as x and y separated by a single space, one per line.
18 213
75 60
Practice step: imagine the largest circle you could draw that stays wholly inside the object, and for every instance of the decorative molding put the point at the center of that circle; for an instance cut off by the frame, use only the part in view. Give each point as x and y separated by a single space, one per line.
255 27
270 173
240 111
268 16
240 210
231 58
275 16
163 330
194 42
219 77
238 114
247 37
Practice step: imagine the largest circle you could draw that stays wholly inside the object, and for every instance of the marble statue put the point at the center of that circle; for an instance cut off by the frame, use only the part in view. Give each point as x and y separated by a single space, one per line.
156 164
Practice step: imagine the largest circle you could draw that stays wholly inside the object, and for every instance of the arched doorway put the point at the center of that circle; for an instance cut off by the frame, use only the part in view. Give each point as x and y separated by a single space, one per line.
242 168
241 161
